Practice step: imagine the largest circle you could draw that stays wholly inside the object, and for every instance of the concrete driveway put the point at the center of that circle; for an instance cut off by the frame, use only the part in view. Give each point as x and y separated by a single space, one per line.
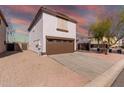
85 65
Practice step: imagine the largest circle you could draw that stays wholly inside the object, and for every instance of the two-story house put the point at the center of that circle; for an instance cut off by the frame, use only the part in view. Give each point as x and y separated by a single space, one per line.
55 31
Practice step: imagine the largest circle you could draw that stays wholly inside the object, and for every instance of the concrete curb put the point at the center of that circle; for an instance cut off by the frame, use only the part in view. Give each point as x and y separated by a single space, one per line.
107 78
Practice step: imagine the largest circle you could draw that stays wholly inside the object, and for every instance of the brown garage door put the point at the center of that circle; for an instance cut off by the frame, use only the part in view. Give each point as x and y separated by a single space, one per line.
57 46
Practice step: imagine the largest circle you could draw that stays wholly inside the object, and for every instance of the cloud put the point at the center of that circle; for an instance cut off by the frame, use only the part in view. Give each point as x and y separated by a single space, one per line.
20 11
68 11
23 8
94 8
21 31
88 7
78 18
82 31
19 21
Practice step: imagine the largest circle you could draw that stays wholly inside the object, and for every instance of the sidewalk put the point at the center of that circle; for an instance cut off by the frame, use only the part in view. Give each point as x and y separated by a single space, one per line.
107 78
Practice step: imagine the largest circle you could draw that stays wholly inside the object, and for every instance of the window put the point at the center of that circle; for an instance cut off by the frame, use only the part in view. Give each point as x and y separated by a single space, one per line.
62 25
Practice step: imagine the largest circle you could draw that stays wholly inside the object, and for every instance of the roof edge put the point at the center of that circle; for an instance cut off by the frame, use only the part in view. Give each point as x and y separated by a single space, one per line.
3 18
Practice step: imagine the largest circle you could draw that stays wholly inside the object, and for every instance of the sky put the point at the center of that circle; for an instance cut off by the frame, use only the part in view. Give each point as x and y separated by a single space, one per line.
20 16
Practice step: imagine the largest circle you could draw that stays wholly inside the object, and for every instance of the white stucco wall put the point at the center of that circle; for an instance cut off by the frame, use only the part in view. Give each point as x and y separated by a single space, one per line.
47 26
35 35
50 26
2 36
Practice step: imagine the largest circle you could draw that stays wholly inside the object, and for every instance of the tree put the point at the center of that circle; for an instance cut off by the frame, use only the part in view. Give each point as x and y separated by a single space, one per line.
116 31
99 29
110 27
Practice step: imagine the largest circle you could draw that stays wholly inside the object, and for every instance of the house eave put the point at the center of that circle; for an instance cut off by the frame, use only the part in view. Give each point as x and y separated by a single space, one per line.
3 18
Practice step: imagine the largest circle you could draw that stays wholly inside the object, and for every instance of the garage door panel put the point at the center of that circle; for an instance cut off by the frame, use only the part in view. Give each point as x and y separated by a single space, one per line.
59 46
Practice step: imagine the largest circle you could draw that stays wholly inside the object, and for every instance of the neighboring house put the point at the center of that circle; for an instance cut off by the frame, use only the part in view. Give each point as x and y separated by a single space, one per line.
10 38
123 42
119 43
82 42
55 32
3 27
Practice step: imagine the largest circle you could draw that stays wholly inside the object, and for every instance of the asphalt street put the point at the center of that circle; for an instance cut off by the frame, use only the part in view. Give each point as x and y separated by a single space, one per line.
119 82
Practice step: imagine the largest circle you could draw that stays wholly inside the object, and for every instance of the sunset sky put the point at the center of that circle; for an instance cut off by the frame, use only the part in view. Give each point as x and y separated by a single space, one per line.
20 17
